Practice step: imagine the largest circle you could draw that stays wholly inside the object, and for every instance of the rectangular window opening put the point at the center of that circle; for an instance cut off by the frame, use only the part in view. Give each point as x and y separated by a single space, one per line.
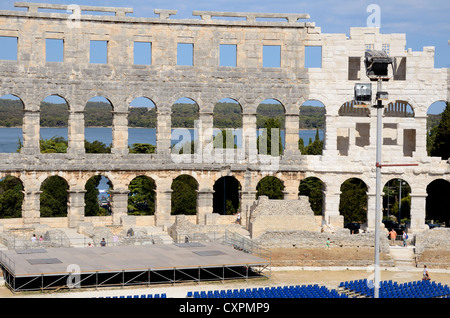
185 54
142 53
54 50
98 52
313 57
400 68
390 134
354 68
228 55
271 56
9 48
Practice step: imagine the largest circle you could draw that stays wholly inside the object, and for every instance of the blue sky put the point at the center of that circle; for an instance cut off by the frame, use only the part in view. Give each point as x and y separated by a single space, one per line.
425 23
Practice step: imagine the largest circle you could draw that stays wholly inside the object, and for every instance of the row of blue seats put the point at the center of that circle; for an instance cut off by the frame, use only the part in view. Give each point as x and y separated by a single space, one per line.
296 291
162 295
390 289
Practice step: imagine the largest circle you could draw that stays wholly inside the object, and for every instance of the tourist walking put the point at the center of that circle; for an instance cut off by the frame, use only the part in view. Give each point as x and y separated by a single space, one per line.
393 236
405 237
425 276
238 218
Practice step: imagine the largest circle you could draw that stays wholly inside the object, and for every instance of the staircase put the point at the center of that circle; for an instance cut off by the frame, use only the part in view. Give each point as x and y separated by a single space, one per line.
404 257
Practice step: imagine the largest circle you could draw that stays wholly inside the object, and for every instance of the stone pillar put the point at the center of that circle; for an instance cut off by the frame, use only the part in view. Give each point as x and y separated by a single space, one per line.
420 125
331 213
205 131
120 133
31 207
249 137
163 132
330 136
248 198
418 206
30 132
291 138
163 206
119 205
76 133
371 198
75 207
204 204
291 189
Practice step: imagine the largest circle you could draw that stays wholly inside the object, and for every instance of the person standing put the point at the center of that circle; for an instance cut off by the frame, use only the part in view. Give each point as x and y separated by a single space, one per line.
405 237
393 236
426 275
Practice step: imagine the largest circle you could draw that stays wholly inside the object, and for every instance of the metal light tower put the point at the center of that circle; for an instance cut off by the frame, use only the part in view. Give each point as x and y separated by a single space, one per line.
376 63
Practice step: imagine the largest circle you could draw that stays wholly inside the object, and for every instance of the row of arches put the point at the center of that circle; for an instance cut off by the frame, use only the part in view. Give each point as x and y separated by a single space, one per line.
353 203
142 112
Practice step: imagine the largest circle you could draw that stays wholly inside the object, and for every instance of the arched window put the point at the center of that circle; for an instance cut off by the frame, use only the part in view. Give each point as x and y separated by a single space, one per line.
142 120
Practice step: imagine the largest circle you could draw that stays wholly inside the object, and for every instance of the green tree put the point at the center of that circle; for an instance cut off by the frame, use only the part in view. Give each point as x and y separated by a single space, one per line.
56 144
96 147
312 187
91 206
142 148
53 200
441 144
11 198
184 195
220 140
270 186
141 198
353 202
314 147
272 126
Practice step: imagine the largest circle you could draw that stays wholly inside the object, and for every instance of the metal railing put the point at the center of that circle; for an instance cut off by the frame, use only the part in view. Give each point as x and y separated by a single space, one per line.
246 245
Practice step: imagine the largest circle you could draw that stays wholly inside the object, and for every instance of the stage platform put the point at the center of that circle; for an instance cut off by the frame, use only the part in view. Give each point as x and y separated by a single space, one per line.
55 268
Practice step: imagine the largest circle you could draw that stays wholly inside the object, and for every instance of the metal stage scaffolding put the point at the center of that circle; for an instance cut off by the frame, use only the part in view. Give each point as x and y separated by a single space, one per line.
96 267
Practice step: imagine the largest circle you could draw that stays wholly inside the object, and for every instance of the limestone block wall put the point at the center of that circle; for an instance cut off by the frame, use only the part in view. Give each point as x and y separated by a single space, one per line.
276 215
349 149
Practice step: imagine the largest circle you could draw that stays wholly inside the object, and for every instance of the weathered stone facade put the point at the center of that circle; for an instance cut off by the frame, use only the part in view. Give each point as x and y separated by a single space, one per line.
281 215
350 141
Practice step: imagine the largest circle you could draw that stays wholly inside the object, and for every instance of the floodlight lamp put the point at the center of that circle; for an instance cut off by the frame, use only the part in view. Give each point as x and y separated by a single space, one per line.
377 63
363 94
382 95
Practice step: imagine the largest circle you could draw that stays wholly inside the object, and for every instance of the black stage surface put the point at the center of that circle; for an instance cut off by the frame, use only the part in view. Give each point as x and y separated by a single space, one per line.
39 269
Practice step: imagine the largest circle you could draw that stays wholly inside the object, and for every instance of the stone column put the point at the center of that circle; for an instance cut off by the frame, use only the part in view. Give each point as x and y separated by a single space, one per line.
75 207
205 131
119 205
163 206
30 132
163 132
248 198
120 133
331 207
204 204
291 189
330 136
418 206
421 137
31 207
371 198
291 150
249 137
76 133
